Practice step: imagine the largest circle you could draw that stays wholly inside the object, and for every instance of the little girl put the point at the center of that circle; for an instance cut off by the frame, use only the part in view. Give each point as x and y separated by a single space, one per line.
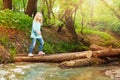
36 34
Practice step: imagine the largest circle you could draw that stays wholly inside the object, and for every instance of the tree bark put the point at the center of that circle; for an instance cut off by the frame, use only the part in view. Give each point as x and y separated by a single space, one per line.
86 62
31 7
68 20
95 47
51 58
7 4
81 62
69 23
69 56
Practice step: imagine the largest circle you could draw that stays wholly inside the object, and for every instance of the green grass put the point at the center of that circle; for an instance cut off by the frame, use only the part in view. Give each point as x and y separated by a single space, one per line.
103 35
16 20
63 47
12 53
106 38
4 40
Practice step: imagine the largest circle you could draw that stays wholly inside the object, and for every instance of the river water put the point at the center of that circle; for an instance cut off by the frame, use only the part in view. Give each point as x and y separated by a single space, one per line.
48 71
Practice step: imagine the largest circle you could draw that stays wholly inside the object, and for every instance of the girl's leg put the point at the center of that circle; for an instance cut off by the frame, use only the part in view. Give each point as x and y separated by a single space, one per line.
41 43
32 45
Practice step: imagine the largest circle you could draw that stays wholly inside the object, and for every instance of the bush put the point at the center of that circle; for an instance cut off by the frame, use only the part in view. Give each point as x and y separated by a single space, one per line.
116 27
103 35
62 47
16 20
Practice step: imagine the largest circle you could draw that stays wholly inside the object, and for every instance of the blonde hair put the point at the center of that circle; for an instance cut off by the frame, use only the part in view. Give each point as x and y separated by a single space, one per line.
36 19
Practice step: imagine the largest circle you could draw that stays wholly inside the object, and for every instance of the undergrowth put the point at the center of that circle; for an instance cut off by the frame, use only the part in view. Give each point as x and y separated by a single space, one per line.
16 20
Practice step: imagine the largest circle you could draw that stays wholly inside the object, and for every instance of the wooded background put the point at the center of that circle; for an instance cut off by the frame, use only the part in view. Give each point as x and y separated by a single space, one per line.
68 25
75 15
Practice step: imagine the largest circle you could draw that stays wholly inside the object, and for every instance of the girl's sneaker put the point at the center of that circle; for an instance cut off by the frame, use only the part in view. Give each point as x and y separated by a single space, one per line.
41 53
30 54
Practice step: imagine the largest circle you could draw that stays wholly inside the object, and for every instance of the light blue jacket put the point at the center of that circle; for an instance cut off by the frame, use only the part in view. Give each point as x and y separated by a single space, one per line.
36 27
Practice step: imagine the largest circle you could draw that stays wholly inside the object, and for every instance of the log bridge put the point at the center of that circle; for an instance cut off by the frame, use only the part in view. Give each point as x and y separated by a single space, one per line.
96 55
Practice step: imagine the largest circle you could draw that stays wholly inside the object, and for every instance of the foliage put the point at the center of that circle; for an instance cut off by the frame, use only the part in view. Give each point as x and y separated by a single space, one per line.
63 47
4 40
103 35
1 4
92 16
19 5
49 48
16 20
116 27
12 51
7 44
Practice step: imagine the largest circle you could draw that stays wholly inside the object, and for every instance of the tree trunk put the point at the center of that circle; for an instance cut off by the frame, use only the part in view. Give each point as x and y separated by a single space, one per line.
31 7
86 62
69 23
51 58
7 4
69 56
48 12
48 7
24 5
95 47
81 62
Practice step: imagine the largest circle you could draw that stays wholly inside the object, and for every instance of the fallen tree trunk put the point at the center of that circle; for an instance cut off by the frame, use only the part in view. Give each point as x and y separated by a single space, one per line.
86 62
68 56
106 53
81 62
52 58
95 47
101 56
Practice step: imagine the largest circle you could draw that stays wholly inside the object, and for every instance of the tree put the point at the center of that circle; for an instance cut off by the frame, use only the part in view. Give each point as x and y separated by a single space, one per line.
47 10
116 13
68 18
7 4
49 4
19 5
69 23
24 5
31 7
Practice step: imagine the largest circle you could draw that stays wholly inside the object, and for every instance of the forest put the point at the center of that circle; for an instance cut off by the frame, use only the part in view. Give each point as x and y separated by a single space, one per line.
77 33
68 26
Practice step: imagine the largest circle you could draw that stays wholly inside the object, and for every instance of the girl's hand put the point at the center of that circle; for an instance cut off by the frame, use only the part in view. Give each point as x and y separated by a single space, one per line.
39 33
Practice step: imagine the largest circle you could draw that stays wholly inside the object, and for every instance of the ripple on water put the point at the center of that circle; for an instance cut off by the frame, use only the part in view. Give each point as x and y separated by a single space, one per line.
4 73
2 78
11 76
43 71
113 73
18 70
24 67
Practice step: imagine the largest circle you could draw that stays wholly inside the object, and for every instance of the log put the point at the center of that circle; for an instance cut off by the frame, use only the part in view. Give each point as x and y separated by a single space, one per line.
81 62
106 53
52 58
68 56
95 47
86 62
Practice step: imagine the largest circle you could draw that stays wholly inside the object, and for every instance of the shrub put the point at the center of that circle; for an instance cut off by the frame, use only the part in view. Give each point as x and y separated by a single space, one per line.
16 20
62 47
103 35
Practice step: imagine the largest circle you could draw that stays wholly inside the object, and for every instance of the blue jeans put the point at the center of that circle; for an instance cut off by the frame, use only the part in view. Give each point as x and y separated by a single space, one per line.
34 43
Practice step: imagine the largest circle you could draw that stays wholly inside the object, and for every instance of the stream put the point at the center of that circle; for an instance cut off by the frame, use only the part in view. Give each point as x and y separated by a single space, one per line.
50 71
